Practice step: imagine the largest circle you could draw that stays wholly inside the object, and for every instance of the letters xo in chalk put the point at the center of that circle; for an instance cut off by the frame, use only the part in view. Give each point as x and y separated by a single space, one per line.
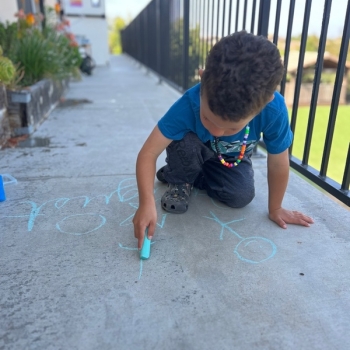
146 247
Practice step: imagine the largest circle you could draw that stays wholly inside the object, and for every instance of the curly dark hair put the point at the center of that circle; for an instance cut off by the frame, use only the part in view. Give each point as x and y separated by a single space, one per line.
242 71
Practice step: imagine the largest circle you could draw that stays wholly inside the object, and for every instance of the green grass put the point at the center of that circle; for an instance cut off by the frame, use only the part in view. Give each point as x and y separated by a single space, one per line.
340 144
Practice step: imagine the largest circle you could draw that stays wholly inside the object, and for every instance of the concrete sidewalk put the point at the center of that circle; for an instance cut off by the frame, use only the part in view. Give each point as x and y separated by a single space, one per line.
218 278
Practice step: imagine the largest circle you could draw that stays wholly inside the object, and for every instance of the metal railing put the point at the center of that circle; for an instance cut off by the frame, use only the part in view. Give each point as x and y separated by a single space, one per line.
173 37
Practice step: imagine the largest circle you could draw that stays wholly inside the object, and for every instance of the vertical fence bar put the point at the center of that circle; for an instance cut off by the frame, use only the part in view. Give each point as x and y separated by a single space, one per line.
277 21
237 15
201 53
223 20
158 40
192 49
200 26
165 37
346 178
203 36
207 39
172 41
245 13
300 67
152 33
142 40
199 14
317 80
252 24
229 17
287 45
134 43
179 49
212 23
336 93
264 15
217 22
186 36
145 35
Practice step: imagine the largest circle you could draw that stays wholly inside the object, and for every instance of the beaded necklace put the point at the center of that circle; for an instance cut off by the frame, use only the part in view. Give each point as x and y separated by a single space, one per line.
240 157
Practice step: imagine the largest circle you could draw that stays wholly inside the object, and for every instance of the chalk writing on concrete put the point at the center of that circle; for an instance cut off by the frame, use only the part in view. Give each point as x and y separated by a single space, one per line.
141 261
254 249
126 191
8 179
102 221
251 249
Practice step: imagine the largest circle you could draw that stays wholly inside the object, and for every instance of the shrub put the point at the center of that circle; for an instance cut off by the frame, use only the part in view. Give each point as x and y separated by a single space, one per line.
49 53
7 69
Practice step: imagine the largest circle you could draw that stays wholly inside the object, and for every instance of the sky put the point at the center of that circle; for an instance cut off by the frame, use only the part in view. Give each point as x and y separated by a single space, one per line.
129 9
125 8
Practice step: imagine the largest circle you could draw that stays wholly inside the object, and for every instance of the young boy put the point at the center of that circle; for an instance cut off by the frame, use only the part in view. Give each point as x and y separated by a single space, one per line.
210 132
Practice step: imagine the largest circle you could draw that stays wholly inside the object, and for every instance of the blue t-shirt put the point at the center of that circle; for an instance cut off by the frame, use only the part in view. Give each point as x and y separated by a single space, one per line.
272 122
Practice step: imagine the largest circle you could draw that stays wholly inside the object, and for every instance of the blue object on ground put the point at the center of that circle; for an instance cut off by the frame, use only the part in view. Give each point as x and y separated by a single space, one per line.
146 247
2 190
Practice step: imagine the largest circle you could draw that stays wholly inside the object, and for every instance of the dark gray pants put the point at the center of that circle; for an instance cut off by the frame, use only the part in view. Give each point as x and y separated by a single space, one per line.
190 160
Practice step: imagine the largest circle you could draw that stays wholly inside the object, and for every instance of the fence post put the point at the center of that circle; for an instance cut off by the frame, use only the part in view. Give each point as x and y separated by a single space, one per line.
264 15
186 43
158 41
263 27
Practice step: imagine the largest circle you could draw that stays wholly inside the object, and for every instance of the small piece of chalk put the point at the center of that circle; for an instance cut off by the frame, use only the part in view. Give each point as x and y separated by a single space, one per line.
146 247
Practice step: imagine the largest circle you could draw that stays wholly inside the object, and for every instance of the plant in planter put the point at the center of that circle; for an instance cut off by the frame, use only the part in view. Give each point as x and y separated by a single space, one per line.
7 76
7 69
47 58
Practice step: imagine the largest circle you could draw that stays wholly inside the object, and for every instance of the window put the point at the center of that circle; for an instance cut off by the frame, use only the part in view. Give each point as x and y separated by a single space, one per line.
96 3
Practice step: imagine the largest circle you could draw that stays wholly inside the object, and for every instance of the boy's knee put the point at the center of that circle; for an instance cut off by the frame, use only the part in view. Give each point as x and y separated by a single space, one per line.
233 200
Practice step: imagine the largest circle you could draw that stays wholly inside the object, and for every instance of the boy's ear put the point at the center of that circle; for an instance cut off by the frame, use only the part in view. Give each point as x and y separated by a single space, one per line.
200 72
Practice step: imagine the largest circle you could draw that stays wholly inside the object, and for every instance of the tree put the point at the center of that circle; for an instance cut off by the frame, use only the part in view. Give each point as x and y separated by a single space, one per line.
114 38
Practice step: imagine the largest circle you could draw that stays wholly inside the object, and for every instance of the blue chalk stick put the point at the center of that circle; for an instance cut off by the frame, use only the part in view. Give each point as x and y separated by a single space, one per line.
2 190
146 247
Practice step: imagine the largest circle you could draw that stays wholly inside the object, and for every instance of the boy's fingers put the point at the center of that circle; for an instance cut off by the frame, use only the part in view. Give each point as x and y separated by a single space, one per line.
142 232
308 219
280 222
139 244
141 238
139 234
304 222
302 219
151 229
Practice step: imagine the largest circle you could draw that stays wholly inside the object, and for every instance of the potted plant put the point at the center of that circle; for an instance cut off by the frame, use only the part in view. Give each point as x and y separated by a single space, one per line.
7 74
46 58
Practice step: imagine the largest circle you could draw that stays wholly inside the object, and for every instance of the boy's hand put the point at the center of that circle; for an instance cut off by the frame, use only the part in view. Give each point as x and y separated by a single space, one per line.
282 217
145 216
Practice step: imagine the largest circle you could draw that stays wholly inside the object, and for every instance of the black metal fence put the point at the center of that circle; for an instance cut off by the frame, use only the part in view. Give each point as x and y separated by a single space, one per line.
173 37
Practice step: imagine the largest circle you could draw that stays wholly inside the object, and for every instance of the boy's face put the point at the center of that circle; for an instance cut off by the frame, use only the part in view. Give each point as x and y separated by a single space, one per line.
218 126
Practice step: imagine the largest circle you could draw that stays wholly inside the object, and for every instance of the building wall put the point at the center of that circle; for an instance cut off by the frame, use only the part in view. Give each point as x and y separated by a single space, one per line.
95 30
90 21
50 3
7 10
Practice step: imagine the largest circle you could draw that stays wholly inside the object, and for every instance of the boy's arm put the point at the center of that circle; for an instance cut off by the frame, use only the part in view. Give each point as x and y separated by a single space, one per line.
277 177
146 215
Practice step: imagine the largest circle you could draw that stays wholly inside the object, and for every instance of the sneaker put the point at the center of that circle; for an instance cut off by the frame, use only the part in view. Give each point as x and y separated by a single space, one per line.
176 197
